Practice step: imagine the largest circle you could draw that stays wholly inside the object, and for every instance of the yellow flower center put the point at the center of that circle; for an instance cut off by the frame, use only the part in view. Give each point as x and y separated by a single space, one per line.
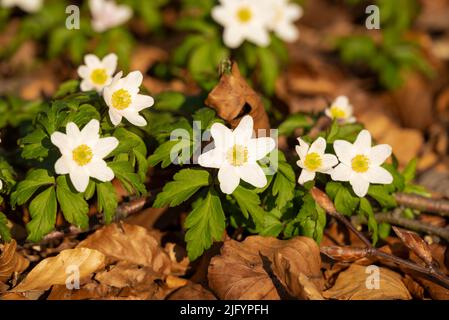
99 76
82 155
313 161
338 113
121 99
237 155
244 14
360 163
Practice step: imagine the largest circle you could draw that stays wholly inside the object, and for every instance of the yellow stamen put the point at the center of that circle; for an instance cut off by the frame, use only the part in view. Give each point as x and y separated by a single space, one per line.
82 155
313 161
99 76
338 113
237 155
121 99
360 163
244 14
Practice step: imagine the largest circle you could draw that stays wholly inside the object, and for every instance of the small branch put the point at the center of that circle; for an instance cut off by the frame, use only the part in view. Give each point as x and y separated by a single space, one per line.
429 272
415 225
321 124
413 201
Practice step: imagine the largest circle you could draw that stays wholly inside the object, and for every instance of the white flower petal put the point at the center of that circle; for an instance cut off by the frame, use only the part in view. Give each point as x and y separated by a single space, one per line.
379 154
61 166
232 38
253 174
341 102
135 118
142 102
105 146
305 176
212 159
1 184
99 170
359 185
318 146
344 151
83 71
379 175
91 131
341 173
133 79
259 36
222 135
287 32
260 147
60 140
302 149
110 63
362 144
228 178
329 161
115 117
244 131
92 61
72 130
86 86
79 178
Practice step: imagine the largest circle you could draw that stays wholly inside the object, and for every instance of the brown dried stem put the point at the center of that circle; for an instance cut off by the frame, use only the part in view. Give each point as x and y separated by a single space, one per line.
413 201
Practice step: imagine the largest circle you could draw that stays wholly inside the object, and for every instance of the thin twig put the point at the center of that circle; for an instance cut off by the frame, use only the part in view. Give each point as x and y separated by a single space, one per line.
415 225
429 272
413 201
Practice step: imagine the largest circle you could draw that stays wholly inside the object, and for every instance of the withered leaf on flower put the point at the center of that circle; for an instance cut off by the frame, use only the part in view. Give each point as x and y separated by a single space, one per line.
233 98
244 270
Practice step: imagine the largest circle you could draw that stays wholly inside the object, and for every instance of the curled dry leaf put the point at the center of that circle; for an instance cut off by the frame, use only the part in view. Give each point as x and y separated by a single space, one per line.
244 269
233 98
124 242
345 254
192 291
414 242
356 283
123 274
11 261
54 270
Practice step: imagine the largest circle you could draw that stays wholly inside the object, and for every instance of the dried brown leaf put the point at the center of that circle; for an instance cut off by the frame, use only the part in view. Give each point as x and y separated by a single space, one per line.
232 96
345 254
244 269
414 242
351 284
124 242
52 271
11 261
192 291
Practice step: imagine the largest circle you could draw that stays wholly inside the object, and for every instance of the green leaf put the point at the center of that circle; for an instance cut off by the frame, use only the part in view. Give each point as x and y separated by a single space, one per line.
26 188
66 88
206 116
72 203
410 171
367 211
345 202
43 215
130 180
171 150
381 194
384 230
185 184
205 224
312 219
269 69
5 234
249 203
284 182
272 225
32 145
107 200
398 179
293 122
169 101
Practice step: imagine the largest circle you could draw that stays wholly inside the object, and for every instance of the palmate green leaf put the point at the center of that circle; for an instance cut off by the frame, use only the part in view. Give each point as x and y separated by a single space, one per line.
180 149
43 215
67 87
84 114
130 180
25 189
207 117
184 185
284 182
272 225
205 224
381 194
5 234
32 145
72 203
107 200
366 210
311 218
345 201
249 203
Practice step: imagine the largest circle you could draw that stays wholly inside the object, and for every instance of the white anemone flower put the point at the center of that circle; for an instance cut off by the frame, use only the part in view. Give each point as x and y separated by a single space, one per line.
243 20
96 73
361 163
313 159
30 6
341 110
82 154
236 154
123 99
285 14
106 14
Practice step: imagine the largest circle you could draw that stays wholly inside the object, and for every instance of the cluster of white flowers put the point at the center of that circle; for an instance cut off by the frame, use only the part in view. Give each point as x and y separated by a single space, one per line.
30 6
106 14
121 94
253 20
236 153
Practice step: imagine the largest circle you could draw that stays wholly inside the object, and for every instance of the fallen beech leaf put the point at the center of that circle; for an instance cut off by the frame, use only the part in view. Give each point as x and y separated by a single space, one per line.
124 242
244 269
52 271
91 290
123 274
192 291
231 97
351 284
11 261
414 242
345 254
